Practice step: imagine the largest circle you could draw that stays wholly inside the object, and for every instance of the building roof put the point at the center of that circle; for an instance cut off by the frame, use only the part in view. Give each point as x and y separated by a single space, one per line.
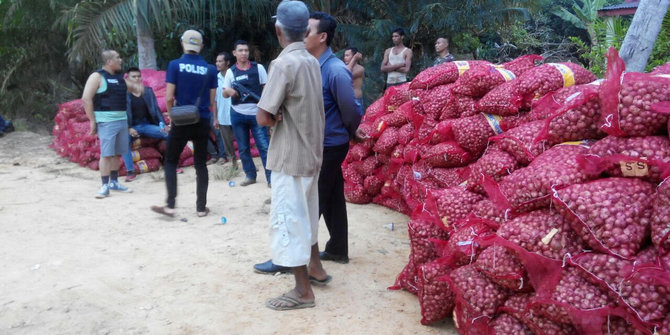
627 8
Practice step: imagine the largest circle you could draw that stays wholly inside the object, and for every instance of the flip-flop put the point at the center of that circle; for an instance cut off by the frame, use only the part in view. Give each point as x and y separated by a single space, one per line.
203 213
161 210
292 303
322 282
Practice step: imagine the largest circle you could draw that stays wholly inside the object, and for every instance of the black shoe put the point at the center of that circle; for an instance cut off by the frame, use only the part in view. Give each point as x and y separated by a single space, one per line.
270 268
325 256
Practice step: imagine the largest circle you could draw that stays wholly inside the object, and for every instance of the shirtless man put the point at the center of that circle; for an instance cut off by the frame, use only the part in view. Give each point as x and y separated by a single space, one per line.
351 59
397 60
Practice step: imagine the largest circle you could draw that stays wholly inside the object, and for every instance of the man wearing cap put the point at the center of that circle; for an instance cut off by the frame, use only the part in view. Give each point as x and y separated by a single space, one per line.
243 83
104 101
189 79
292 103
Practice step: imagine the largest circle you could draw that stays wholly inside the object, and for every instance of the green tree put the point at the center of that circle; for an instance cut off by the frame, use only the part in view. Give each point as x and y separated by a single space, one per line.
584 16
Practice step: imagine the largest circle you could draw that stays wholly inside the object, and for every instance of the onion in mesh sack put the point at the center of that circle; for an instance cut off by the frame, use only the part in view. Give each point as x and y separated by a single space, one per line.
435 296
407 279
480 294
572 114
454 204
611 156
520 141
550 77
357 152
504 100
449 177
377 109
660 217
487 210
444 73
446 155
544 232
502 267
435 99
495 163
405 133
461 248
530 188
626 100
350 173
505 324
395 118
573 291
355 193
611 215
517 305
387 141
396 96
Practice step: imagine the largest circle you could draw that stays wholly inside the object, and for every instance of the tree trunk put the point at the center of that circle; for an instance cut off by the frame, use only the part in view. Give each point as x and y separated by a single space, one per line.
146 53
642 34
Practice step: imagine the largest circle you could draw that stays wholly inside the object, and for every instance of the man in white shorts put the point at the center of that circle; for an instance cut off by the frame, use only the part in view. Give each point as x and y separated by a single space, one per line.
292 103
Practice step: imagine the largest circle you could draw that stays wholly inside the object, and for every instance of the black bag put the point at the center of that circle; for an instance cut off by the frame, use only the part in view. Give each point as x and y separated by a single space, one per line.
187 114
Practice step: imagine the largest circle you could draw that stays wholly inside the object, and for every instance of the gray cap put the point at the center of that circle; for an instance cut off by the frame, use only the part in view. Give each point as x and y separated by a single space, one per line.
293 15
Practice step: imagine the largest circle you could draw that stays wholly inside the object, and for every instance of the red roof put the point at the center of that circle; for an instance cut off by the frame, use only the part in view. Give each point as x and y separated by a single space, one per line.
627 8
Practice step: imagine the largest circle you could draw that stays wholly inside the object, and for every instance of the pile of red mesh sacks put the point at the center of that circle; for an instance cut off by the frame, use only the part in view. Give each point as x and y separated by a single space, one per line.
72 139
538 197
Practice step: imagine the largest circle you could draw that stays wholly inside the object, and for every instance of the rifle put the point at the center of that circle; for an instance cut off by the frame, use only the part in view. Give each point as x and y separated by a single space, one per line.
245 93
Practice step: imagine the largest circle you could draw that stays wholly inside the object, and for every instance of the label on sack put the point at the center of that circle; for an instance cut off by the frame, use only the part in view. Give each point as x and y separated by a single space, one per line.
189 144
507 74
548 237
455 317
494 122
634 169
135 155
462 66
144 168
584 144
391 108
137 143
445 221
568 75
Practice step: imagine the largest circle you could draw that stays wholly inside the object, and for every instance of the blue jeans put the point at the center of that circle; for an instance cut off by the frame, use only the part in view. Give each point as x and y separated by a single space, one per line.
145 130
242 124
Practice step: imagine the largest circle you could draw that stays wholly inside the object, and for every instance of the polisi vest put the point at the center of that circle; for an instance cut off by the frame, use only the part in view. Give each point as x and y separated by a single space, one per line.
249 79
114 97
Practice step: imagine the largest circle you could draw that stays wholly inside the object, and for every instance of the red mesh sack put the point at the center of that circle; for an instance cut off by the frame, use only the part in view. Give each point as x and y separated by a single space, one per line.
626 100
549 77
395 118
572 291
501 266
544 232
505 324
472 133
465 106
435 99
350 174
476 298
449 177
478 82
660 217
424 227
415 190
367 166
522 64
462 247
452 204
572 114
520 142
154 79
487 210
357 152
444 73
530 188
517 305
407 279
355 194
617 157
406 133
446 155
392 200
377 109
396 96
504 100
662 69
435 296
495 163
373 184
644 289
611 215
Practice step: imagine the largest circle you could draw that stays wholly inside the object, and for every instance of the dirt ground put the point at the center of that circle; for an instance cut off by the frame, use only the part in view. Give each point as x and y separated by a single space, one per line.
73 264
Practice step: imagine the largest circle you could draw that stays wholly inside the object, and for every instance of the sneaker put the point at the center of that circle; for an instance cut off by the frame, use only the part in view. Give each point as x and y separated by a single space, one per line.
103 192
247 182
116 186
130 177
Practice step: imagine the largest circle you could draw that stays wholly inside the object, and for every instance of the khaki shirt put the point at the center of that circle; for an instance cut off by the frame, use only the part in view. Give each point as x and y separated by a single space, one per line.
294 89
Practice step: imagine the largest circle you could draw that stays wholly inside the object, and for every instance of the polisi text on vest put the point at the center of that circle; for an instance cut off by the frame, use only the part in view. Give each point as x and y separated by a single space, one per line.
192 68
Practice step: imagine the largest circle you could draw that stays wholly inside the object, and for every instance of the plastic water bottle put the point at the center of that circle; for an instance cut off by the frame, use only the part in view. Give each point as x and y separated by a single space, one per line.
223 220
390 226
231 183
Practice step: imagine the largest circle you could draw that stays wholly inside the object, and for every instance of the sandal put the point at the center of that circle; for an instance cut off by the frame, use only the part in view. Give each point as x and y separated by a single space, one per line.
162 210
203 213
285 303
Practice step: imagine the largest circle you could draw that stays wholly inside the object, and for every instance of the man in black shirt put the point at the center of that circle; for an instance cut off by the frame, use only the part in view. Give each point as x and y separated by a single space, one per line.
144 117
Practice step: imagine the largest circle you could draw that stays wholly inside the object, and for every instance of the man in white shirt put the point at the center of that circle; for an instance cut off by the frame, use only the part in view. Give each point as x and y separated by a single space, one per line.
244 83
223 61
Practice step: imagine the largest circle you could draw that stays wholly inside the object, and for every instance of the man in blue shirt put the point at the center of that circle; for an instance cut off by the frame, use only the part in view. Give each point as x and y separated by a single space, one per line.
189 79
